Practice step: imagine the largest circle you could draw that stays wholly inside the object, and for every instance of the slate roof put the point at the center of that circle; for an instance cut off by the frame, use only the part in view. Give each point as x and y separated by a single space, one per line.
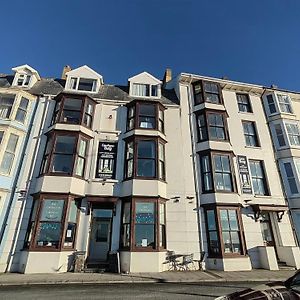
50 86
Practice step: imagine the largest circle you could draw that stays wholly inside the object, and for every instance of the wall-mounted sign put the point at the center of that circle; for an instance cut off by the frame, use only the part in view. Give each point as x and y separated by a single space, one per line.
107 159
244 175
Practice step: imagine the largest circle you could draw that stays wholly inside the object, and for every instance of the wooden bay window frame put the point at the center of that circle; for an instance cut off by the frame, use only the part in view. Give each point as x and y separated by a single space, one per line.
203 126
77 155
220 250
133 159
85 112
159 225
208 171
134 116
66 239
202 93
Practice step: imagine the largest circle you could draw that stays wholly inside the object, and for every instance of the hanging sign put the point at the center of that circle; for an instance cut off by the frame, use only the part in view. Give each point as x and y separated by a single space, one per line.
244 174
106 162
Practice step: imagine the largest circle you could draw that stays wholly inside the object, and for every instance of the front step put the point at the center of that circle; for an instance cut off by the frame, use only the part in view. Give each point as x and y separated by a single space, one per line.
283 266
96 267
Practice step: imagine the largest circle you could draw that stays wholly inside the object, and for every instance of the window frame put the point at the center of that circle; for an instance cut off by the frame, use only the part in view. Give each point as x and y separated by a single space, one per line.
204 93
13 153
23 78
57 117
149 87
75 82
212 172
283 103
22 109
264 178
10 108
135 140
48 158
243 104
251 135
135 106
36 220
290 135
157 239
206 127
217 208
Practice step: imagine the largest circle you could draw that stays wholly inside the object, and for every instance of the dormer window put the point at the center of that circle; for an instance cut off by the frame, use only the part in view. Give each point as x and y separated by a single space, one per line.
83 84
23 80
144 90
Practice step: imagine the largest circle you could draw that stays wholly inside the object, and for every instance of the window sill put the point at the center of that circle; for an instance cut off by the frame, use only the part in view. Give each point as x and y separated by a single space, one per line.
263 196
253 147
103 180
246 113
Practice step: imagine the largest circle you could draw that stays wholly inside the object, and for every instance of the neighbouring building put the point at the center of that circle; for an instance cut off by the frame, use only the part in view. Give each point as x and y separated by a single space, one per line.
283 115
243 211
17 112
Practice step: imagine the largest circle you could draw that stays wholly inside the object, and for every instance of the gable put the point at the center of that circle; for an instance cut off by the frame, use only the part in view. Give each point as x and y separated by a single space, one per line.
145 78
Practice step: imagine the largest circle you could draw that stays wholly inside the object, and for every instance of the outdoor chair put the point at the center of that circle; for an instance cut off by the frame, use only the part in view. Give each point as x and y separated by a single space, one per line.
187 263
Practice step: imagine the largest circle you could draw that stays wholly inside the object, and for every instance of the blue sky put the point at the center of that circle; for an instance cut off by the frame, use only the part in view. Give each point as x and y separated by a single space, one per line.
255 41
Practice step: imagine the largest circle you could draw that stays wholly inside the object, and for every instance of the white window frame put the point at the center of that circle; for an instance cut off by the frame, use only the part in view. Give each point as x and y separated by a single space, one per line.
283 133
287 179
158 93
24 77
11 152
74 84
289 103
275 104
287 133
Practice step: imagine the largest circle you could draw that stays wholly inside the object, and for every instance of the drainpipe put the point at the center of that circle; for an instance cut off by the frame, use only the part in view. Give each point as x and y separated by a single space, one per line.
195 166
29 177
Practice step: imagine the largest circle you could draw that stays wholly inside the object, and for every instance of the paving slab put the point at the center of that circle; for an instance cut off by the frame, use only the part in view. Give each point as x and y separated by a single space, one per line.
172 276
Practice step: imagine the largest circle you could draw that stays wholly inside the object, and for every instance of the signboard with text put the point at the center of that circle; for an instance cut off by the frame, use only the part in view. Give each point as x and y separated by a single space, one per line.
107 159
244 174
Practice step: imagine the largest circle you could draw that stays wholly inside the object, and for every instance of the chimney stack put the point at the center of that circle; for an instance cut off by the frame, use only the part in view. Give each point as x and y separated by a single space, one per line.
66 69
167 76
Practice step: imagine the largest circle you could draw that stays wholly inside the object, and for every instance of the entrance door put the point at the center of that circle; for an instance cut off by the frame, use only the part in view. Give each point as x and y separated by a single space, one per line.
100 235
266 229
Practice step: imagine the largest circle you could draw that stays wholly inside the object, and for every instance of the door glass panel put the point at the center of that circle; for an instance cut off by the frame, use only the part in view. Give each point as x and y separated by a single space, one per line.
102 213
102 232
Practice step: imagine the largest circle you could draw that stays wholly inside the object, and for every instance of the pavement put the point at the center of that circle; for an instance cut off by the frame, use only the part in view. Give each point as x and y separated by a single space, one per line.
258 275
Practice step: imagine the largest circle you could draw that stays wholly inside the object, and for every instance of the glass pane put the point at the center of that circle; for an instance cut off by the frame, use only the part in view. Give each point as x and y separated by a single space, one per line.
126 212
144 213
7 162
80 166
52 210
82 147
6 103
205 164
211 222
102 213
24 103
62 163
154 89
147 122
129 153
125 235
131 111
72 104
227 182
1 135
226 242
72 117
211 87
225 163
129 168
161 213
146 149
147 110
65 144
214 245
89 108
219 181
235 240
214 98
87 120
20 116
12 143
86 84
72 212
233 220
218 163
48 234
224 220
144 235
146 167
207 182
161 151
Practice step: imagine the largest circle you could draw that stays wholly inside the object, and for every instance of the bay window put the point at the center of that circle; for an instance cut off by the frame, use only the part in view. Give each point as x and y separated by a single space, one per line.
205 91
145 116
212 126
65 154
223 226
145 158
74 110
143 224
53 223
216 172
271 104
280 135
